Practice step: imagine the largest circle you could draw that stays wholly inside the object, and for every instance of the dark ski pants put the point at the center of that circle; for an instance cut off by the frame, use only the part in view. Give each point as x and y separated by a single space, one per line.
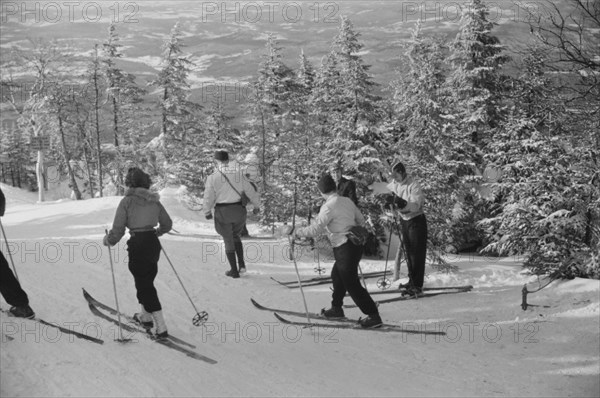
230 220
10 288
144 252
344 276
229 223
414 235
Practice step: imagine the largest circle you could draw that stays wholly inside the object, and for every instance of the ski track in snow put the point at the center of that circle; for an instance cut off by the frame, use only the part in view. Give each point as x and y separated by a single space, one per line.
492 346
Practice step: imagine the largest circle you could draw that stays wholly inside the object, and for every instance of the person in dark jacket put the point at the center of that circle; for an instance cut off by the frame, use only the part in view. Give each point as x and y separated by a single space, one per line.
337 216
344 186
10 288
140 211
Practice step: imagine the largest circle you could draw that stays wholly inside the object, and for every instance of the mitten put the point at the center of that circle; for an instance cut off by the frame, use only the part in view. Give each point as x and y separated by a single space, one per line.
399 202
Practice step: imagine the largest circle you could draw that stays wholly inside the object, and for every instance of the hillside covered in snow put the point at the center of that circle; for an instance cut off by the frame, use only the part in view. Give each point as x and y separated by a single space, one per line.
491 346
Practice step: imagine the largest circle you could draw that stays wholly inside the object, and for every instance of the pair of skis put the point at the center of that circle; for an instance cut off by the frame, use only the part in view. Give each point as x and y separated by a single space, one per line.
322 280
426 289
218 237
427 292
132 326
337 323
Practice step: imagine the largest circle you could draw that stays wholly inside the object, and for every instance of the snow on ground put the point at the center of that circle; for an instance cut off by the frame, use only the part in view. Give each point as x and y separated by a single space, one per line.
491 348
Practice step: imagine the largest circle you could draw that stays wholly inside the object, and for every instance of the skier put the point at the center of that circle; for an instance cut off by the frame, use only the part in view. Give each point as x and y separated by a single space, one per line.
227 190
337 216
344 186
408 199
140 211
10 287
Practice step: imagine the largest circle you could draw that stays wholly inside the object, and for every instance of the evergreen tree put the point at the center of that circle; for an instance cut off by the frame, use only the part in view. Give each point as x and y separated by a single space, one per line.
179 116
58 117
424 139
123 95
548 191
348 111
94 75
477 56
269 107
42 60
474 94
357 83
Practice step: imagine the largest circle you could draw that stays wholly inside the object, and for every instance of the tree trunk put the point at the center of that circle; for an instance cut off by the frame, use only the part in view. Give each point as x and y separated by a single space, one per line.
97 127
68 158
120 189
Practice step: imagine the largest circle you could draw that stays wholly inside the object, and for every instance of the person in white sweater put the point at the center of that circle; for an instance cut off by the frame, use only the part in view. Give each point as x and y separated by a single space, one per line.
337 216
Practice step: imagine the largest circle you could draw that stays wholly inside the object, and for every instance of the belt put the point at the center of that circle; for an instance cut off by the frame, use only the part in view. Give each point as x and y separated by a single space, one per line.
228 204
141 232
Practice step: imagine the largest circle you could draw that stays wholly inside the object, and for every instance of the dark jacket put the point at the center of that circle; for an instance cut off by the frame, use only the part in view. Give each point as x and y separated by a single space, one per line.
347 188
2 203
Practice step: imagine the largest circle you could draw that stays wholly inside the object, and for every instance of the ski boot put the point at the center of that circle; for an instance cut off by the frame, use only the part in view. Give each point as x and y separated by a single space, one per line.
333 312
22 311
371 321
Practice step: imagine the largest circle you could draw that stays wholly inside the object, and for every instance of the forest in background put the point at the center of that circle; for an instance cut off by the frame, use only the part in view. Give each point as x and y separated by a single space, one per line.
505 144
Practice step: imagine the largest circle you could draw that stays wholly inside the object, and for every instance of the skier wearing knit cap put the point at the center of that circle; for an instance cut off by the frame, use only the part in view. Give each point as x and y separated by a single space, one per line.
337 217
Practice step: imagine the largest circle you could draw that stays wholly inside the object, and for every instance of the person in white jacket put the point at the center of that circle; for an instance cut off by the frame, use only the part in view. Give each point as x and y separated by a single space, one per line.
337 216
408 201
225 191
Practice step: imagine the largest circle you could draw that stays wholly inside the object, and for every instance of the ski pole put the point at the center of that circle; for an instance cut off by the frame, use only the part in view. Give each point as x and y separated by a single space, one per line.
112 271
402 246
291 242
8 251
383 283
319 269
199 317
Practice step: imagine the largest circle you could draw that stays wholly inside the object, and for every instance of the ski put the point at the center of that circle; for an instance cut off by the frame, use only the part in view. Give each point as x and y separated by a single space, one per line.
346 322
404 297
218 237
288 312
88 297
71 332
321 280
355 326
425 289
138 329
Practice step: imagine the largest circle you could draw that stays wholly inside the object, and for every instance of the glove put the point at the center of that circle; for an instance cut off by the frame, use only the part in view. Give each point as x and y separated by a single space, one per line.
157 232
256 210
399 203
105 241
390 201
287 230
385 200
208 216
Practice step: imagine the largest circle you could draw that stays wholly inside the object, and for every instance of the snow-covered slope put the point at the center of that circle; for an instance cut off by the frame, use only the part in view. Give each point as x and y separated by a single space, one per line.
492 347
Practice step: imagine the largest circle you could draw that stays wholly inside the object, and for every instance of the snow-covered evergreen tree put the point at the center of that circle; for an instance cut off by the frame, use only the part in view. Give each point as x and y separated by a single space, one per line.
124 95
548 189
475 105
476 81
179 115
269 107
95 83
